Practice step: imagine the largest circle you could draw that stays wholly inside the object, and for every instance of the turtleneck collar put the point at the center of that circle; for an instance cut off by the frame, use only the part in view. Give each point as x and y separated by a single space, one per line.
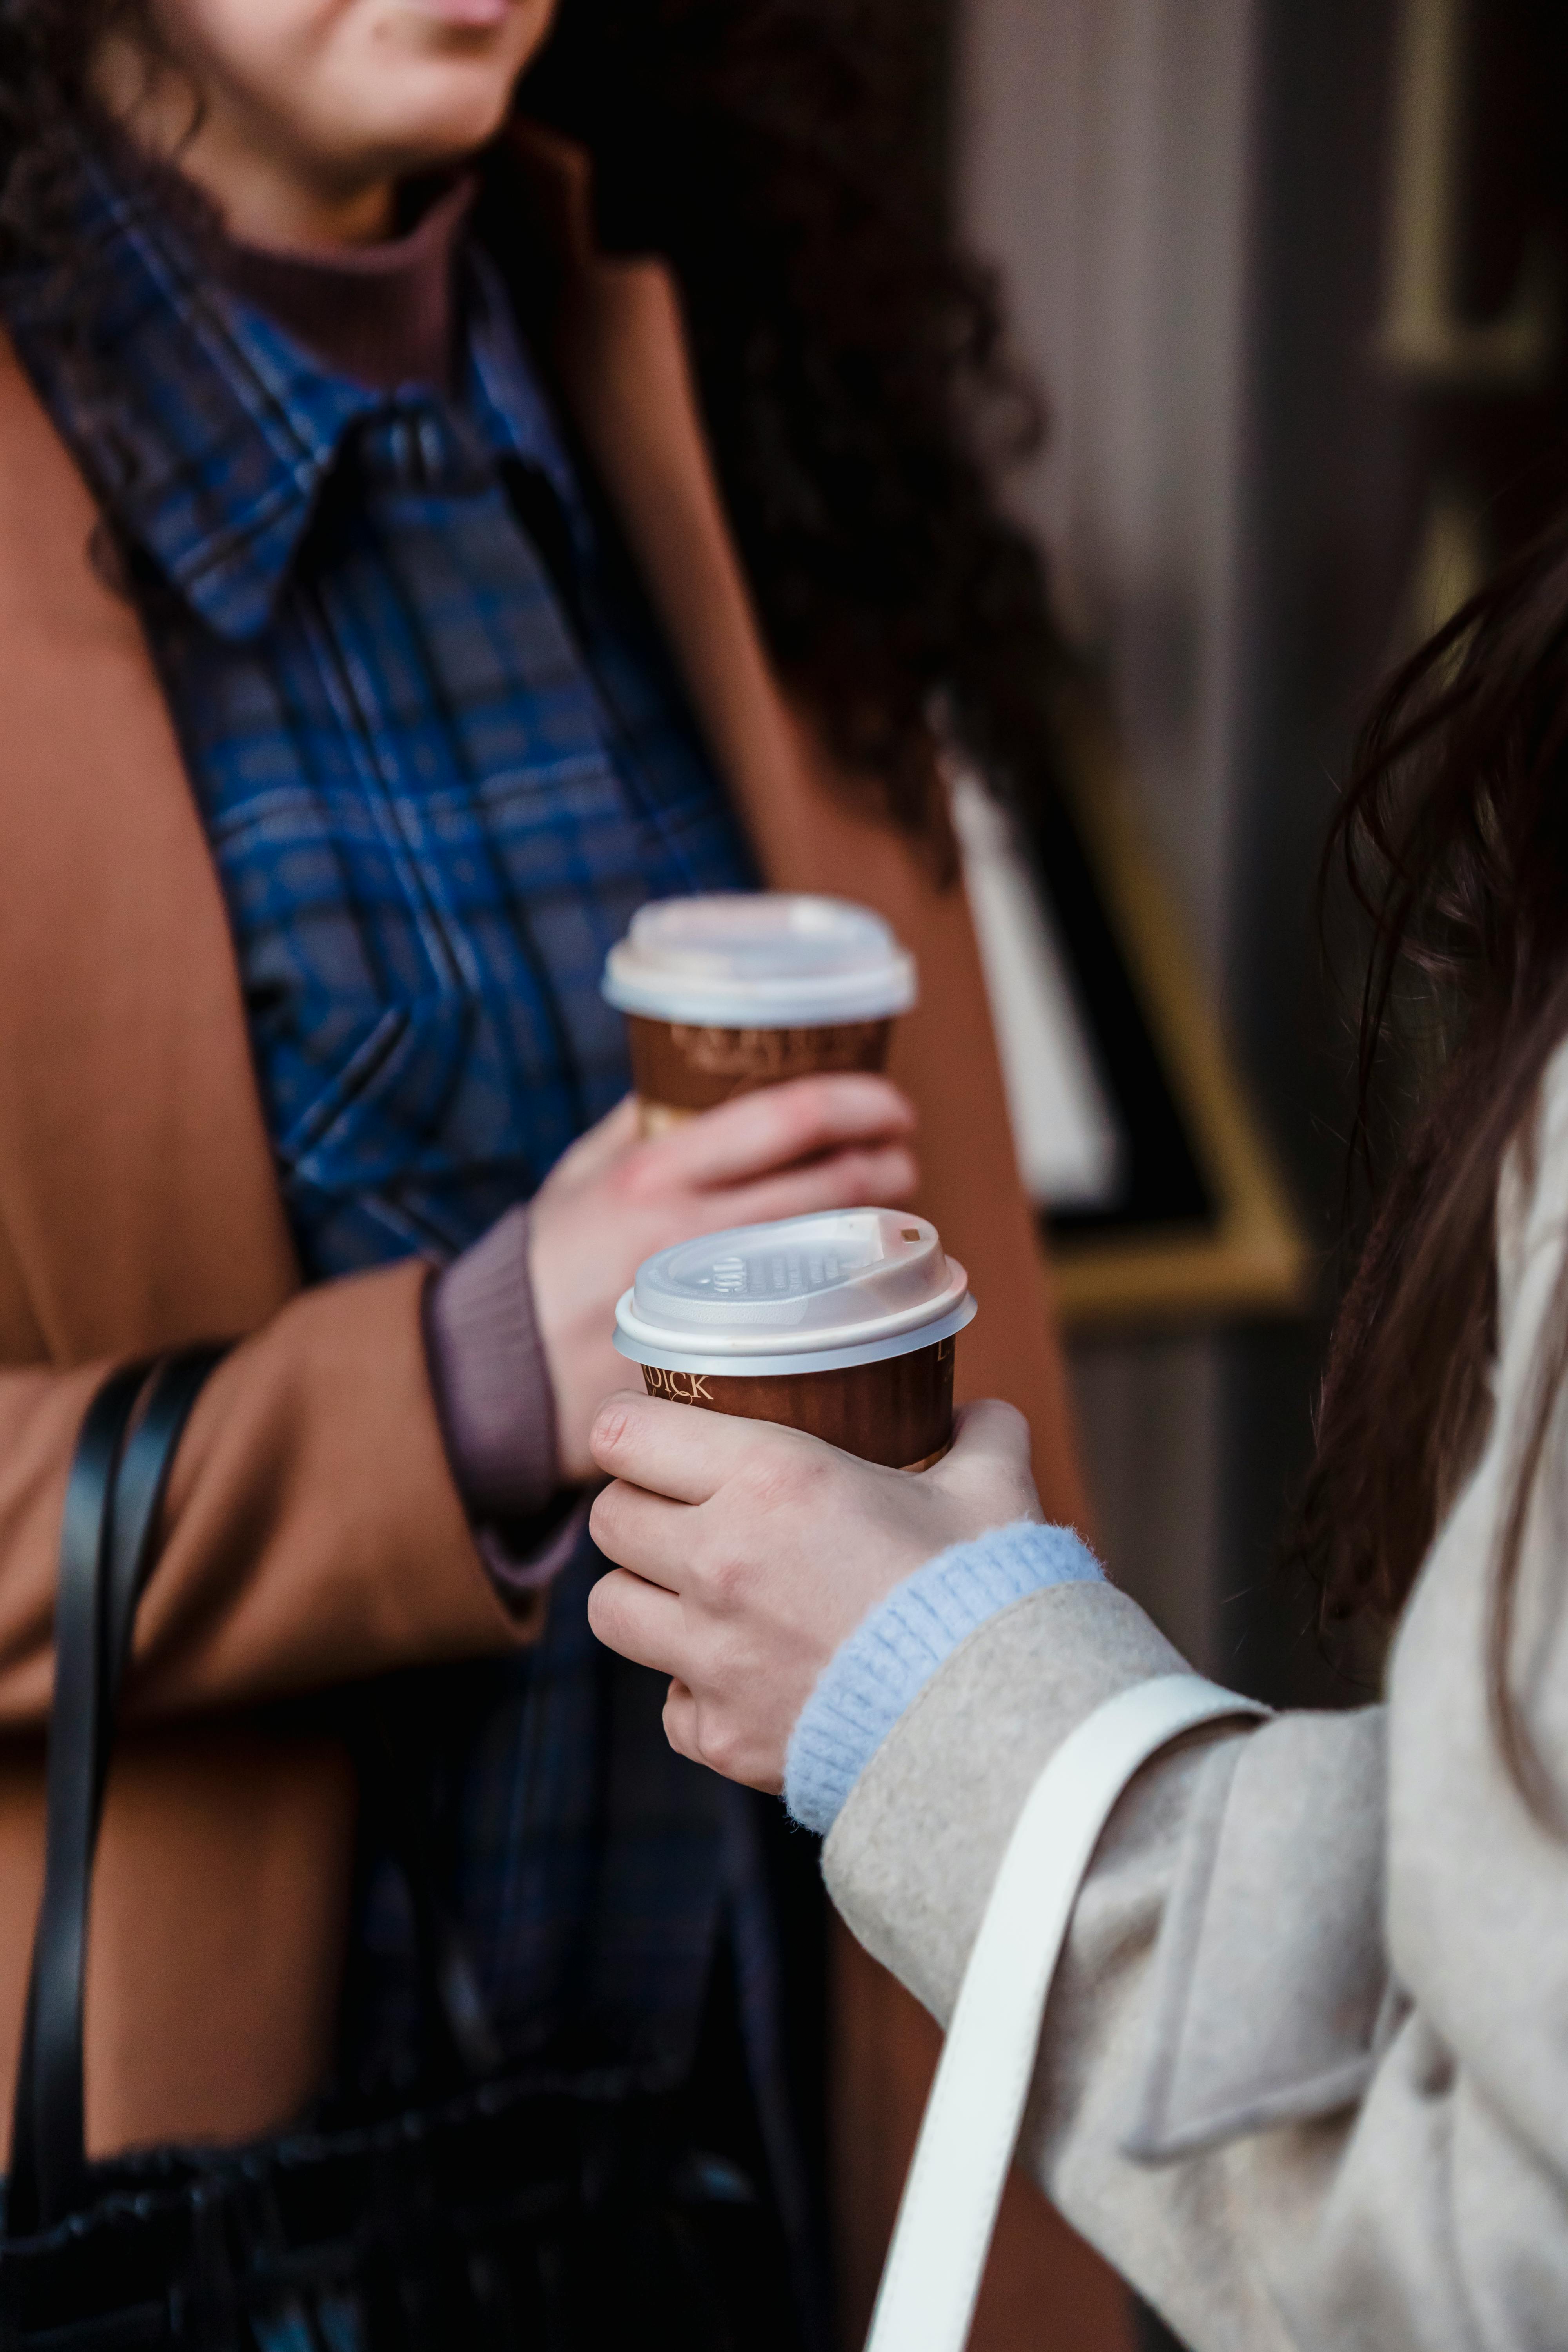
382 314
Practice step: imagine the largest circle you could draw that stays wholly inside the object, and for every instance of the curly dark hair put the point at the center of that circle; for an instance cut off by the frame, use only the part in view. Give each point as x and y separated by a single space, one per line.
852 361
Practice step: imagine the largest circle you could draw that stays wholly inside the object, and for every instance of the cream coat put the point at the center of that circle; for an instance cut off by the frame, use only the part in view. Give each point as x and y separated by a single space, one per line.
1304 2078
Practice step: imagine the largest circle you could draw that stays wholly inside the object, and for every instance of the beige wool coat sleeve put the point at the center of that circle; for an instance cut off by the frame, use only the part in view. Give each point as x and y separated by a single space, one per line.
1304 2074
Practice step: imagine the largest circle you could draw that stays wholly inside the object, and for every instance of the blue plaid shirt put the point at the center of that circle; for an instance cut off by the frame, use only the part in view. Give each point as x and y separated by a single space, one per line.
437 774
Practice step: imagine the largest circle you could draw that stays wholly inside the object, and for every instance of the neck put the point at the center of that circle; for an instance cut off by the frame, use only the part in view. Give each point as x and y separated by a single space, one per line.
265 205
264 195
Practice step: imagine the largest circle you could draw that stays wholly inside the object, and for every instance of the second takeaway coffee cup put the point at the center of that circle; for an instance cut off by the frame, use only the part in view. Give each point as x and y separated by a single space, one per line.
842 1324
740 990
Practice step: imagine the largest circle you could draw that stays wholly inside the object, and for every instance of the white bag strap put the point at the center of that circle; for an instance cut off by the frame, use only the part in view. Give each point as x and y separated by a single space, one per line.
948 2207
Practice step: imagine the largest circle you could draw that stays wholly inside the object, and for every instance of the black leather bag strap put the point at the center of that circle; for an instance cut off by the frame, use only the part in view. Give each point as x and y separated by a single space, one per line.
108 1540
74 1764
139 1489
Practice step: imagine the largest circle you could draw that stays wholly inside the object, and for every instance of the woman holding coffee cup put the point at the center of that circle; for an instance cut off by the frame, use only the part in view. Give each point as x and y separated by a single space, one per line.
1303 2076
1302 2079
374 644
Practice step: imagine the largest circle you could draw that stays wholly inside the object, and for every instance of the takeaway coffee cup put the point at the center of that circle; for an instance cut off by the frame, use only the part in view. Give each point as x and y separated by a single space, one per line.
843 1324
727 993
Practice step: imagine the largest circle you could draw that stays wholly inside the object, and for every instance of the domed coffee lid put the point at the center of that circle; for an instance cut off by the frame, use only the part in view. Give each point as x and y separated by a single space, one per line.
761 960
809 1293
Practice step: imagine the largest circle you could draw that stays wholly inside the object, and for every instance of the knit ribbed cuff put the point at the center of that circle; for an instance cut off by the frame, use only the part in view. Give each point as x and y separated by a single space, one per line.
490 1378
873 1677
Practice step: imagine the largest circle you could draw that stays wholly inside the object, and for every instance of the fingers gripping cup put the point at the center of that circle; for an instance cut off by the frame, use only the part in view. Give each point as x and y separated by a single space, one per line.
842 1324
728 993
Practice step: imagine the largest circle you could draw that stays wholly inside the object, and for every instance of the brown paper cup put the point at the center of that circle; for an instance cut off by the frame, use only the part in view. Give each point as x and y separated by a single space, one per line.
729 991
679 1069
899 1412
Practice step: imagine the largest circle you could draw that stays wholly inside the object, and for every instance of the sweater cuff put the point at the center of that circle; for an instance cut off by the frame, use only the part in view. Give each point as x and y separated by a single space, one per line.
492 1382
888 1661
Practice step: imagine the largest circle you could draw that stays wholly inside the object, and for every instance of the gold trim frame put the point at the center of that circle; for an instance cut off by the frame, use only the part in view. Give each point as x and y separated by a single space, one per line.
1252 1257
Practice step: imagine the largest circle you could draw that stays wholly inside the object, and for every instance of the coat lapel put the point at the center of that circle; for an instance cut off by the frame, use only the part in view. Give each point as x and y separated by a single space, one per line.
137 1191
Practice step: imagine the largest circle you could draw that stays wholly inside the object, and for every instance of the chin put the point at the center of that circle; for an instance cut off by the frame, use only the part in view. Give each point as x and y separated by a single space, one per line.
443 93
450 134
443 126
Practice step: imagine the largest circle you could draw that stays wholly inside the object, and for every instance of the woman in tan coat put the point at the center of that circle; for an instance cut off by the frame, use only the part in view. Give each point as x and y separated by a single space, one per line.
372 641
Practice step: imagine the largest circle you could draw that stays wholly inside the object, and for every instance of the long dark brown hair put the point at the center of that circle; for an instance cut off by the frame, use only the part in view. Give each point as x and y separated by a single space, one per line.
1453 835
785 155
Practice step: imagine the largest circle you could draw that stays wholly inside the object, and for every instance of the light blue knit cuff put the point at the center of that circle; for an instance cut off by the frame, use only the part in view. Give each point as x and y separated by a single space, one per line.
871 1678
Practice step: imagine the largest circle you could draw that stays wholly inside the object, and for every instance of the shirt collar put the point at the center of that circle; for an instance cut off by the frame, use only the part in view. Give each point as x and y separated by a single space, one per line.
510 406
207 431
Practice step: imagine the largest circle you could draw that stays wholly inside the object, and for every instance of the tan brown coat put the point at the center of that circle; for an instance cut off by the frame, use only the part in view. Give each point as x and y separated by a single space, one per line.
313 1533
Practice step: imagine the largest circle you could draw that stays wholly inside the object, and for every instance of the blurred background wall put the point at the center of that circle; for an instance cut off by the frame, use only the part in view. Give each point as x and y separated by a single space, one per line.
1291 278
1101 154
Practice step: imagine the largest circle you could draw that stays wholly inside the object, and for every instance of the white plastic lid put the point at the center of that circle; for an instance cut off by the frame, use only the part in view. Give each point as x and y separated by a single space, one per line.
809 1293
759 959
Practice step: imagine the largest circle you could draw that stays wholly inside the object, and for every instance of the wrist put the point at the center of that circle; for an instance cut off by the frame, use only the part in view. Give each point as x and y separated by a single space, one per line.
577 1364
490 1378
905 1641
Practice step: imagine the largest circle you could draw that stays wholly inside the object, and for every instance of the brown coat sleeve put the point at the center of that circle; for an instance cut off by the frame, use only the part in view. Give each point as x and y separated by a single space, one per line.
313 1533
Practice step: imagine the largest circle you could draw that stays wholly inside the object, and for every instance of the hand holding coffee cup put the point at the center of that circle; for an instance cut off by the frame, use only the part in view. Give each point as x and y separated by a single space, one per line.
842 1328
747 1553
616 1197
731 993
